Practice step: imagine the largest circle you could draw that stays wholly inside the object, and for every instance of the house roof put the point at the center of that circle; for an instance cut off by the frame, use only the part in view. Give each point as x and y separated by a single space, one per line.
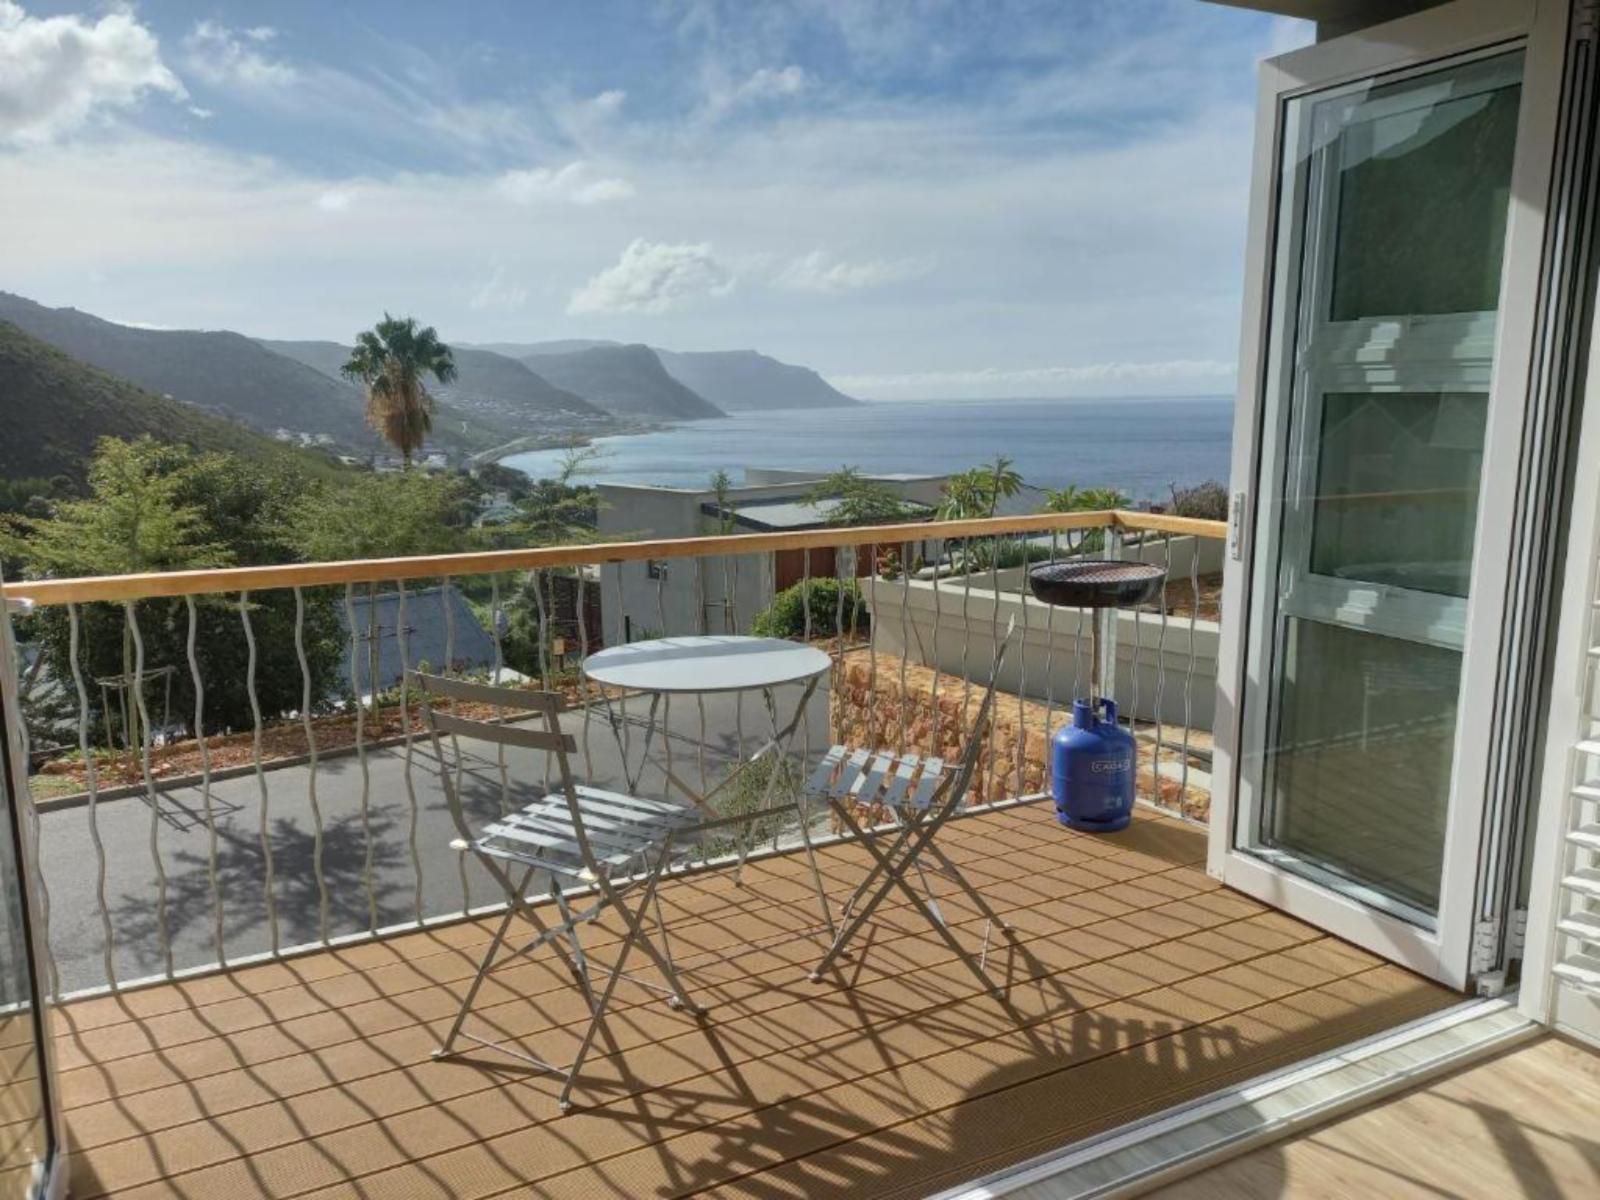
429 617
782 513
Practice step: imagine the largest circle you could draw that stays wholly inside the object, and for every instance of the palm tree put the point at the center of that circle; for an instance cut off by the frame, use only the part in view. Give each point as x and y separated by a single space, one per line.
977 492
389 360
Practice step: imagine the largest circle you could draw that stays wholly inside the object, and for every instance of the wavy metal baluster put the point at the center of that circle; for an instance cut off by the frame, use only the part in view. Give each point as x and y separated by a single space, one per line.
1161 666
844 572
1138 656
872 652
1188 678
1049 654
403 640
966 635
546 683
994 641
152 795
805 595
700 703
1083 633
74 637
356 658
1022 666
738 697
449 668
905 638
499 668
702 626
311 753
537 578
938 663
583 680
217 935
261 774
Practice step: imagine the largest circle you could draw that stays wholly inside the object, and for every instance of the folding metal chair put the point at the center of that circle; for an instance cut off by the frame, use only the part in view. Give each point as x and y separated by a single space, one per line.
922 796
579 836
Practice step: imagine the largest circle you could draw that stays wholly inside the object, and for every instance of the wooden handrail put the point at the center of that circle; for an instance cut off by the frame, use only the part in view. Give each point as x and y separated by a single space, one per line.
118 588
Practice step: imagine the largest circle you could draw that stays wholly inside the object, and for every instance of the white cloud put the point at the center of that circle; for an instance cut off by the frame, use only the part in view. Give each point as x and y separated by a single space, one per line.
609 102
762 85
653 277
821 274
498 292
335 200
221 56
575 183
56 71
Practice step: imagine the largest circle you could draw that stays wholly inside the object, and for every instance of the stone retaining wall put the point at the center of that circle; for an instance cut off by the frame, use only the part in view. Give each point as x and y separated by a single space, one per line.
871 708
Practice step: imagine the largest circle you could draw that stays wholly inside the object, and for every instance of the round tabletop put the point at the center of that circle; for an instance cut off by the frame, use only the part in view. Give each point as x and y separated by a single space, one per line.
705 664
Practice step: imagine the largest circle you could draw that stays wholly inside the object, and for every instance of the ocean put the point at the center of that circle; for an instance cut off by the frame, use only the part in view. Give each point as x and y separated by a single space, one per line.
1140 445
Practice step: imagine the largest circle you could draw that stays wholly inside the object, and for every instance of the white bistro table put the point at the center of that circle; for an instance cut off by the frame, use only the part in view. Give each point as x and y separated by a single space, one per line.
707 665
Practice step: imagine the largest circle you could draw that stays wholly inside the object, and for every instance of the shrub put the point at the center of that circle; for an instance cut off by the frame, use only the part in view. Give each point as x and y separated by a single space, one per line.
1207 501
786 616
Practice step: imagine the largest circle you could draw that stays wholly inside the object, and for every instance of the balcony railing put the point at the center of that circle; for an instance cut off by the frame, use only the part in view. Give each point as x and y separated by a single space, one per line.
250 779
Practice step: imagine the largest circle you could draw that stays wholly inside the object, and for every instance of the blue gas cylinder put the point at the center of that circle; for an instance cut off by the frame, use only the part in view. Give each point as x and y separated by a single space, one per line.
1092 767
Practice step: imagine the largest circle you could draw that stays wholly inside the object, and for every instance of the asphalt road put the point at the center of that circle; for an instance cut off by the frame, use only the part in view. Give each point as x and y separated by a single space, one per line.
406 828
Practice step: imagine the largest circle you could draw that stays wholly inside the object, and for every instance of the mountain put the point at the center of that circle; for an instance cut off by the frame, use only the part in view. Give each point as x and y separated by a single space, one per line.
57 409
490 388
224 373
527 350
744 380
732 380
626 381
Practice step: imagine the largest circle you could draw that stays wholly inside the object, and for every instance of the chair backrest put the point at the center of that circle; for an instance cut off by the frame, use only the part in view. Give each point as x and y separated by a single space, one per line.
954 787
544 705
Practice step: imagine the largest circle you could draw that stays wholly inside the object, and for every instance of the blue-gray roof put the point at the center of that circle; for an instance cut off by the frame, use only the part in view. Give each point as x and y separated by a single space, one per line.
427 634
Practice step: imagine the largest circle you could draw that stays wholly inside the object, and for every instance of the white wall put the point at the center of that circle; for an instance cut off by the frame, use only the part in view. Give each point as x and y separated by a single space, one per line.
712 594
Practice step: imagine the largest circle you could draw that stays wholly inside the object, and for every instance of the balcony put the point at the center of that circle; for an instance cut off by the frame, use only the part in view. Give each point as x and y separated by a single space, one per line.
1139 983
260 934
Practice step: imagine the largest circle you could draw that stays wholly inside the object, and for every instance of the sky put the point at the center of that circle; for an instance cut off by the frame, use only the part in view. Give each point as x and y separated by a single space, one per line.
918 198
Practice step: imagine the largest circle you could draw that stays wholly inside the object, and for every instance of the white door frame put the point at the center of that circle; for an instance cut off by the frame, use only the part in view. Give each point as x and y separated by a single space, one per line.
1447 31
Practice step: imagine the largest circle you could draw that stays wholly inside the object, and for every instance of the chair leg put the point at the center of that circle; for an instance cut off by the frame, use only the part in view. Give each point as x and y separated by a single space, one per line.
477 980
579 964
883 865
635 934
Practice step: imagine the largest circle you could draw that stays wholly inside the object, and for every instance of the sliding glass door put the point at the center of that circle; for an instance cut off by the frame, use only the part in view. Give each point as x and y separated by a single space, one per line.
1369 454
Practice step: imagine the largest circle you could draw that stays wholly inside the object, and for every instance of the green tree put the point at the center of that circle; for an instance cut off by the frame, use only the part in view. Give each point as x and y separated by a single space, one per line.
380 516
856 500
559 510
1076 499
722 489
977 492
390 360
153 507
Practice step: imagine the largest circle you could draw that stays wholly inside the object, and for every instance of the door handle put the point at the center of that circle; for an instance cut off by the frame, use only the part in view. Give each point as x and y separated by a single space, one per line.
1236 526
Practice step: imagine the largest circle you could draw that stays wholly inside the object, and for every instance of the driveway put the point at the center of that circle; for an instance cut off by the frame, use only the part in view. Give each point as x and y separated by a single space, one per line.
396 813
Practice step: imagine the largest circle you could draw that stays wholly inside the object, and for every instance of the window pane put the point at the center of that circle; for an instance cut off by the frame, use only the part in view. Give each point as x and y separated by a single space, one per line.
1397 488
1422 197
1360 758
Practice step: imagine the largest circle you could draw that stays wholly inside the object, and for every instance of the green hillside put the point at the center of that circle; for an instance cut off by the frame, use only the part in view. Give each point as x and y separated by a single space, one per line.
57 408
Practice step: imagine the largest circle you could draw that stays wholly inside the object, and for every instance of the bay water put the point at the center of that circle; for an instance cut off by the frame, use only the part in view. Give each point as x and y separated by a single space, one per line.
1139 445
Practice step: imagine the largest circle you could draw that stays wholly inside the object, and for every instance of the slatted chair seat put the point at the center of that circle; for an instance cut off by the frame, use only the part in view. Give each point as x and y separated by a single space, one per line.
621 829
877 785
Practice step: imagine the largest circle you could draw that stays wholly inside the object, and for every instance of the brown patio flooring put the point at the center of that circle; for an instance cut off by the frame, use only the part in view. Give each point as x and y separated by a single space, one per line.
1137 982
